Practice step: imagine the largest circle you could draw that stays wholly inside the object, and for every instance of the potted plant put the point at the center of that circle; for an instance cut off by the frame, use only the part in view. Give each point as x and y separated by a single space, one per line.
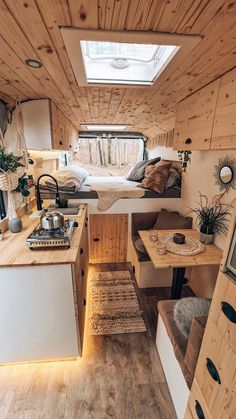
25 182
9 173
11 169
211 217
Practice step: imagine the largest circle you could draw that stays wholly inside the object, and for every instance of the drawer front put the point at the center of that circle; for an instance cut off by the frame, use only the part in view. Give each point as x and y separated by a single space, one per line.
216 374
197 407
223 309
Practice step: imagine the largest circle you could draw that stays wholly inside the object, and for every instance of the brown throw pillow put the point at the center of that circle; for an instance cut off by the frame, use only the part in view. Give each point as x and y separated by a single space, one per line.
167 220
156 176
138 171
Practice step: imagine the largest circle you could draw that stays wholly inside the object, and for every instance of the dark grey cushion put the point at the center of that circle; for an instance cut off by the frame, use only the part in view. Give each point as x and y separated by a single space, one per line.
138 171
140 246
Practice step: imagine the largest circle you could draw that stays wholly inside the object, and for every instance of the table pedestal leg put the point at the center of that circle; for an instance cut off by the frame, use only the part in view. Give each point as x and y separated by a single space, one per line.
177 283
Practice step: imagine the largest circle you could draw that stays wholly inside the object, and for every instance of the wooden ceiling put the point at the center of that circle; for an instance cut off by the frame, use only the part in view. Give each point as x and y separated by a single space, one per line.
31 29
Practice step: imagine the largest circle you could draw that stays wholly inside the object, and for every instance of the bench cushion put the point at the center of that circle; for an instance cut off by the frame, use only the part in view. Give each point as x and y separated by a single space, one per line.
186 350
178 341
168 220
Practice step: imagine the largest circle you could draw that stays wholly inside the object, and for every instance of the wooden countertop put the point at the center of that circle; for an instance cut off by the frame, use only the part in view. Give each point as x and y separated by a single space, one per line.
210 256
15 252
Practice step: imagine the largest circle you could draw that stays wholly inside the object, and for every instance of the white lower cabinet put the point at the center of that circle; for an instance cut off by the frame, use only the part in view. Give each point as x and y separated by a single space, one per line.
37 314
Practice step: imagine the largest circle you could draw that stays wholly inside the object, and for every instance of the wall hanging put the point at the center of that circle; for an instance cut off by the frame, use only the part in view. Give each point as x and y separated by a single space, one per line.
225 174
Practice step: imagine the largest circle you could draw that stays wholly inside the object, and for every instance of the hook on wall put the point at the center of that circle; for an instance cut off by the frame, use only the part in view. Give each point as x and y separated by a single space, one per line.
184 158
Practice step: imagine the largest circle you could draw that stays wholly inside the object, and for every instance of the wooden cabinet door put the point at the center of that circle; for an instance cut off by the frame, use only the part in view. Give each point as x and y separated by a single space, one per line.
224 130
79 276
195 118
108 238
216 373
197 407
223 308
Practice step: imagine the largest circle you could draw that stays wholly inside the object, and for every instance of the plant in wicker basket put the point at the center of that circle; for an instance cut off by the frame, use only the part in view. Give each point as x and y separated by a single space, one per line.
211 217
9 163
9 174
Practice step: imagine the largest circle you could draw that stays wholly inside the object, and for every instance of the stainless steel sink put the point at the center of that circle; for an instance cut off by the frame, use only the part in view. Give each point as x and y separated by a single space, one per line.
72 209
69 210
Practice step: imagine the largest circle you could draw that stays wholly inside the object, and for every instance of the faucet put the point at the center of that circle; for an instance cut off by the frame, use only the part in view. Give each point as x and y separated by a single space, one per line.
38 196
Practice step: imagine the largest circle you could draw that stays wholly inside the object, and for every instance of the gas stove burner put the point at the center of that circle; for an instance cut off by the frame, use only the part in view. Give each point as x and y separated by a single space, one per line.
60 237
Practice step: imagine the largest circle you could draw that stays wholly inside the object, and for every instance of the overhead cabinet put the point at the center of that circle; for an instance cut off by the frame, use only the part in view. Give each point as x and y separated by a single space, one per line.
207 119
224 128
46 127
194 119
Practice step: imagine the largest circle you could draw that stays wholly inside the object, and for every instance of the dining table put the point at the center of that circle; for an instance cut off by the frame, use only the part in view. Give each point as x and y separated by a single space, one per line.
153 239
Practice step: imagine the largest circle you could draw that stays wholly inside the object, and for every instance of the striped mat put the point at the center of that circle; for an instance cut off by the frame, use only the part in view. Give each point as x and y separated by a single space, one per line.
113 304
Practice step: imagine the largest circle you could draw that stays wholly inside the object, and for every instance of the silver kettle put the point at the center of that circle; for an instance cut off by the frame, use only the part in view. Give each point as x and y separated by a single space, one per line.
52 219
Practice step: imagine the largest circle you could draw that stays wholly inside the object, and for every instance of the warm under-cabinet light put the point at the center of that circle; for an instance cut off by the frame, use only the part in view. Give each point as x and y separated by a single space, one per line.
93 127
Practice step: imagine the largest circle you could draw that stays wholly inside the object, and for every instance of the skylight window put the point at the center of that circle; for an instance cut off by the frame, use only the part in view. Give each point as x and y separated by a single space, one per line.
93 127
123 58
123 63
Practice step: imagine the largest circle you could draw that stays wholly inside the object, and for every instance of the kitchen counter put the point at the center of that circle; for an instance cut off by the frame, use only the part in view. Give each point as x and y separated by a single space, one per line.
15 252
42 296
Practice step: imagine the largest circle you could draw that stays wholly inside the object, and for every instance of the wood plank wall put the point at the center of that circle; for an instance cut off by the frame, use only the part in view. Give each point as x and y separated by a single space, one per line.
64 134
31 29
165 139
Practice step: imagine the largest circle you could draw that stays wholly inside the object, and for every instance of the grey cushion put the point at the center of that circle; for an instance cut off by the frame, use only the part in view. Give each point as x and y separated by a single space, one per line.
138 171
140 246
186 309
173 176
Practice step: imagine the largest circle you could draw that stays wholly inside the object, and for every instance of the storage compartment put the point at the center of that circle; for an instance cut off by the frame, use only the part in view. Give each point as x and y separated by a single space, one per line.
197 407
223 308
215 373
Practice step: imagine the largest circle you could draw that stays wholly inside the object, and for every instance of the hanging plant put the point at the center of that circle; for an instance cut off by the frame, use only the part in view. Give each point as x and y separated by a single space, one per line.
24 184
10 170
9 162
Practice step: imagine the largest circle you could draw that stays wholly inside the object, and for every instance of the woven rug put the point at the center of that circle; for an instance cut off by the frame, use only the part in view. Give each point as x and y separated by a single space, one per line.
114 306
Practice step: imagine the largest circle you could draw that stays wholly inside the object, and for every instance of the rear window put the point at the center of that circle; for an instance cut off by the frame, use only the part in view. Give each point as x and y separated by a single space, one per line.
110 156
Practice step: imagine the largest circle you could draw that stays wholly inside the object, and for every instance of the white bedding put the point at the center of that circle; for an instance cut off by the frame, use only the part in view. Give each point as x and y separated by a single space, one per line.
90 181
110 189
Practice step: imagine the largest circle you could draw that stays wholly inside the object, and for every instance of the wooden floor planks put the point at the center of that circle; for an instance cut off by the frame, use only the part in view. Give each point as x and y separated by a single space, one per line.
119 376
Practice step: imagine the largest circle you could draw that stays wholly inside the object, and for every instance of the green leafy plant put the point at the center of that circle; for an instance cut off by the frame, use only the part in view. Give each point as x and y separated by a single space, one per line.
211 217
9 162
23 186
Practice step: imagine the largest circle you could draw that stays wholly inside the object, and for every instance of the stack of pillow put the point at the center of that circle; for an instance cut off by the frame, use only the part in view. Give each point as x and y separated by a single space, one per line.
155 174
69 179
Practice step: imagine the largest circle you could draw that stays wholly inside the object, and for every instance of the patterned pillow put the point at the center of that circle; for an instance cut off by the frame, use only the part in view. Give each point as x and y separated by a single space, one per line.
137 172
156 176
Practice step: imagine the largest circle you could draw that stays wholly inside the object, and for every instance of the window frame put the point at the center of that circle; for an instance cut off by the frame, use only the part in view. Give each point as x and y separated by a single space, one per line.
73 36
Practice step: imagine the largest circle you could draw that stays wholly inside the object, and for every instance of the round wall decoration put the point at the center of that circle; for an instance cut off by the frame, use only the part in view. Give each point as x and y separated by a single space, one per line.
225 174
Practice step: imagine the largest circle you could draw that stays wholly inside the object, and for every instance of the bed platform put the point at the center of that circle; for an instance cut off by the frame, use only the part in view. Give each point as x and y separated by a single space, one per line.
86 192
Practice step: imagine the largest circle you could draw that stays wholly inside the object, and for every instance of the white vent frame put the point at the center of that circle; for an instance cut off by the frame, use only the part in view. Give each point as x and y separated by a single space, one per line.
73 36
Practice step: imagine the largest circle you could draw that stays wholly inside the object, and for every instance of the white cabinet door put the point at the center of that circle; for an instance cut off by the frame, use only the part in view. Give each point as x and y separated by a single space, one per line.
37 315
37 129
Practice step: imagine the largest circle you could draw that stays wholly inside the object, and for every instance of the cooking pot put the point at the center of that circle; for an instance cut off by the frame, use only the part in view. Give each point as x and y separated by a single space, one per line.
52 219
